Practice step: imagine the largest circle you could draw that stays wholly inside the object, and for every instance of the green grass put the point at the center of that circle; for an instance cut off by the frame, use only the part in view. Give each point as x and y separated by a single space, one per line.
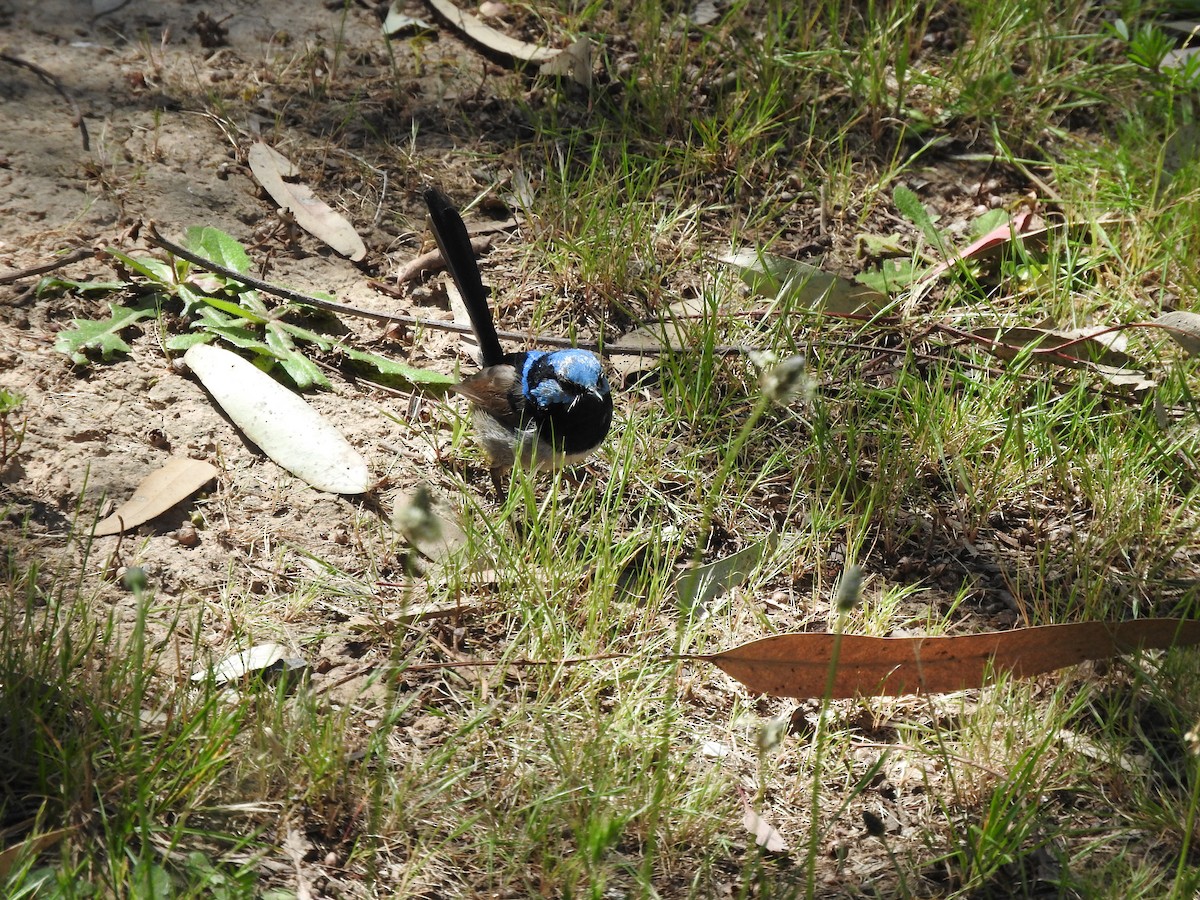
974 494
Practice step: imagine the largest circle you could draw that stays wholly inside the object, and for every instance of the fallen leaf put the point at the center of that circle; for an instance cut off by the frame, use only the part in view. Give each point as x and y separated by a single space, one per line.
640 349
798 665
1184 327
765 834
423 612
261 659
426 523
178 479
794 282
489 38
280 423
704 12
272 169
1077 350
700 585
575 62
398 21
1023 224
33 845
103 7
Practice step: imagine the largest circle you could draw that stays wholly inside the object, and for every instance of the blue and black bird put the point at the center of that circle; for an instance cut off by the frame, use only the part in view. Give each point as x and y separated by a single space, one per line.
541 408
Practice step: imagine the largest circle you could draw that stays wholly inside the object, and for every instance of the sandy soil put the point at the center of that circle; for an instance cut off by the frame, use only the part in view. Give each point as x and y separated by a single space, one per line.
144 78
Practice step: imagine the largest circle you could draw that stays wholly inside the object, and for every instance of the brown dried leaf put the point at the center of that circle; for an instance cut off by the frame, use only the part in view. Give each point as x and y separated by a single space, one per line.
798 665
272 169
33 845
639 350
177 480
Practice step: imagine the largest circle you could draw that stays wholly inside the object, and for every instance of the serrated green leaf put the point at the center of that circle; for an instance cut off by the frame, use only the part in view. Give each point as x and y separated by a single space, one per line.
215 245
186 341
385 366
278 339
54 283
209 316
911 206
302 370
321 340
241 337
100 334
195 299
154 269
251 301
245 304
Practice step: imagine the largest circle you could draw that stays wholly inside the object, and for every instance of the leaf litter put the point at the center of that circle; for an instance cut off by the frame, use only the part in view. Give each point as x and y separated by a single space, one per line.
305 523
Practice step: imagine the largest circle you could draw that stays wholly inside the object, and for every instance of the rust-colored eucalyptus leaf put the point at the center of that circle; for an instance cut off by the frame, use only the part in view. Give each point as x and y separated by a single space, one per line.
798 665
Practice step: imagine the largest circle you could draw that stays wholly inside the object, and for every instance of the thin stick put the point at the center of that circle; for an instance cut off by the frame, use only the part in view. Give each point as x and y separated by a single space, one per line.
345 309
74 256
57 85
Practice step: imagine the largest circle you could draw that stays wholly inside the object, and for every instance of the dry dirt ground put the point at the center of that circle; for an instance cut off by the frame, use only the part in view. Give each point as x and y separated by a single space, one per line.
144 76
154 81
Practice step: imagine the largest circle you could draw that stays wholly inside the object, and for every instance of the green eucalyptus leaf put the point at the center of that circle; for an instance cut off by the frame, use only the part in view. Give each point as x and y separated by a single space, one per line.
50 283
701 585
186 341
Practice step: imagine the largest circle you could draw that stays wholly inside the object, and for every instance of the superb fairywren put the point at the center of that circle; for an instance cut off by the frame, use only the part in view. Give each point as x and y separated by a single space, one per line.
542 408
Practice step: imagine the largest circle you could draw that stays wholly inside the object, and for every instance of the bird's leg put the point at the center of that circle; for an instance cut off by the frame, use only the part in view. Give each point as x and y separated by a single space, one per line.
500 483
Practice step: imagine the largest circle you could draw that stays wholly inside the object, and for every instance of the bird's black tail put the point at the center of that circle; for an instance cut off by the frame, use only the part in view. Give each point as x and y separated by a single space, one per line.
455 244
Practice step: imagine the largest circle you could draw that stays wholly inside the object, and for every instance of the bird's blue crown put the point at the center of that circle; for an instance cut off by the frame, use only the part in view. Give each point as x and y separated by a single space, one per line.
580 368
